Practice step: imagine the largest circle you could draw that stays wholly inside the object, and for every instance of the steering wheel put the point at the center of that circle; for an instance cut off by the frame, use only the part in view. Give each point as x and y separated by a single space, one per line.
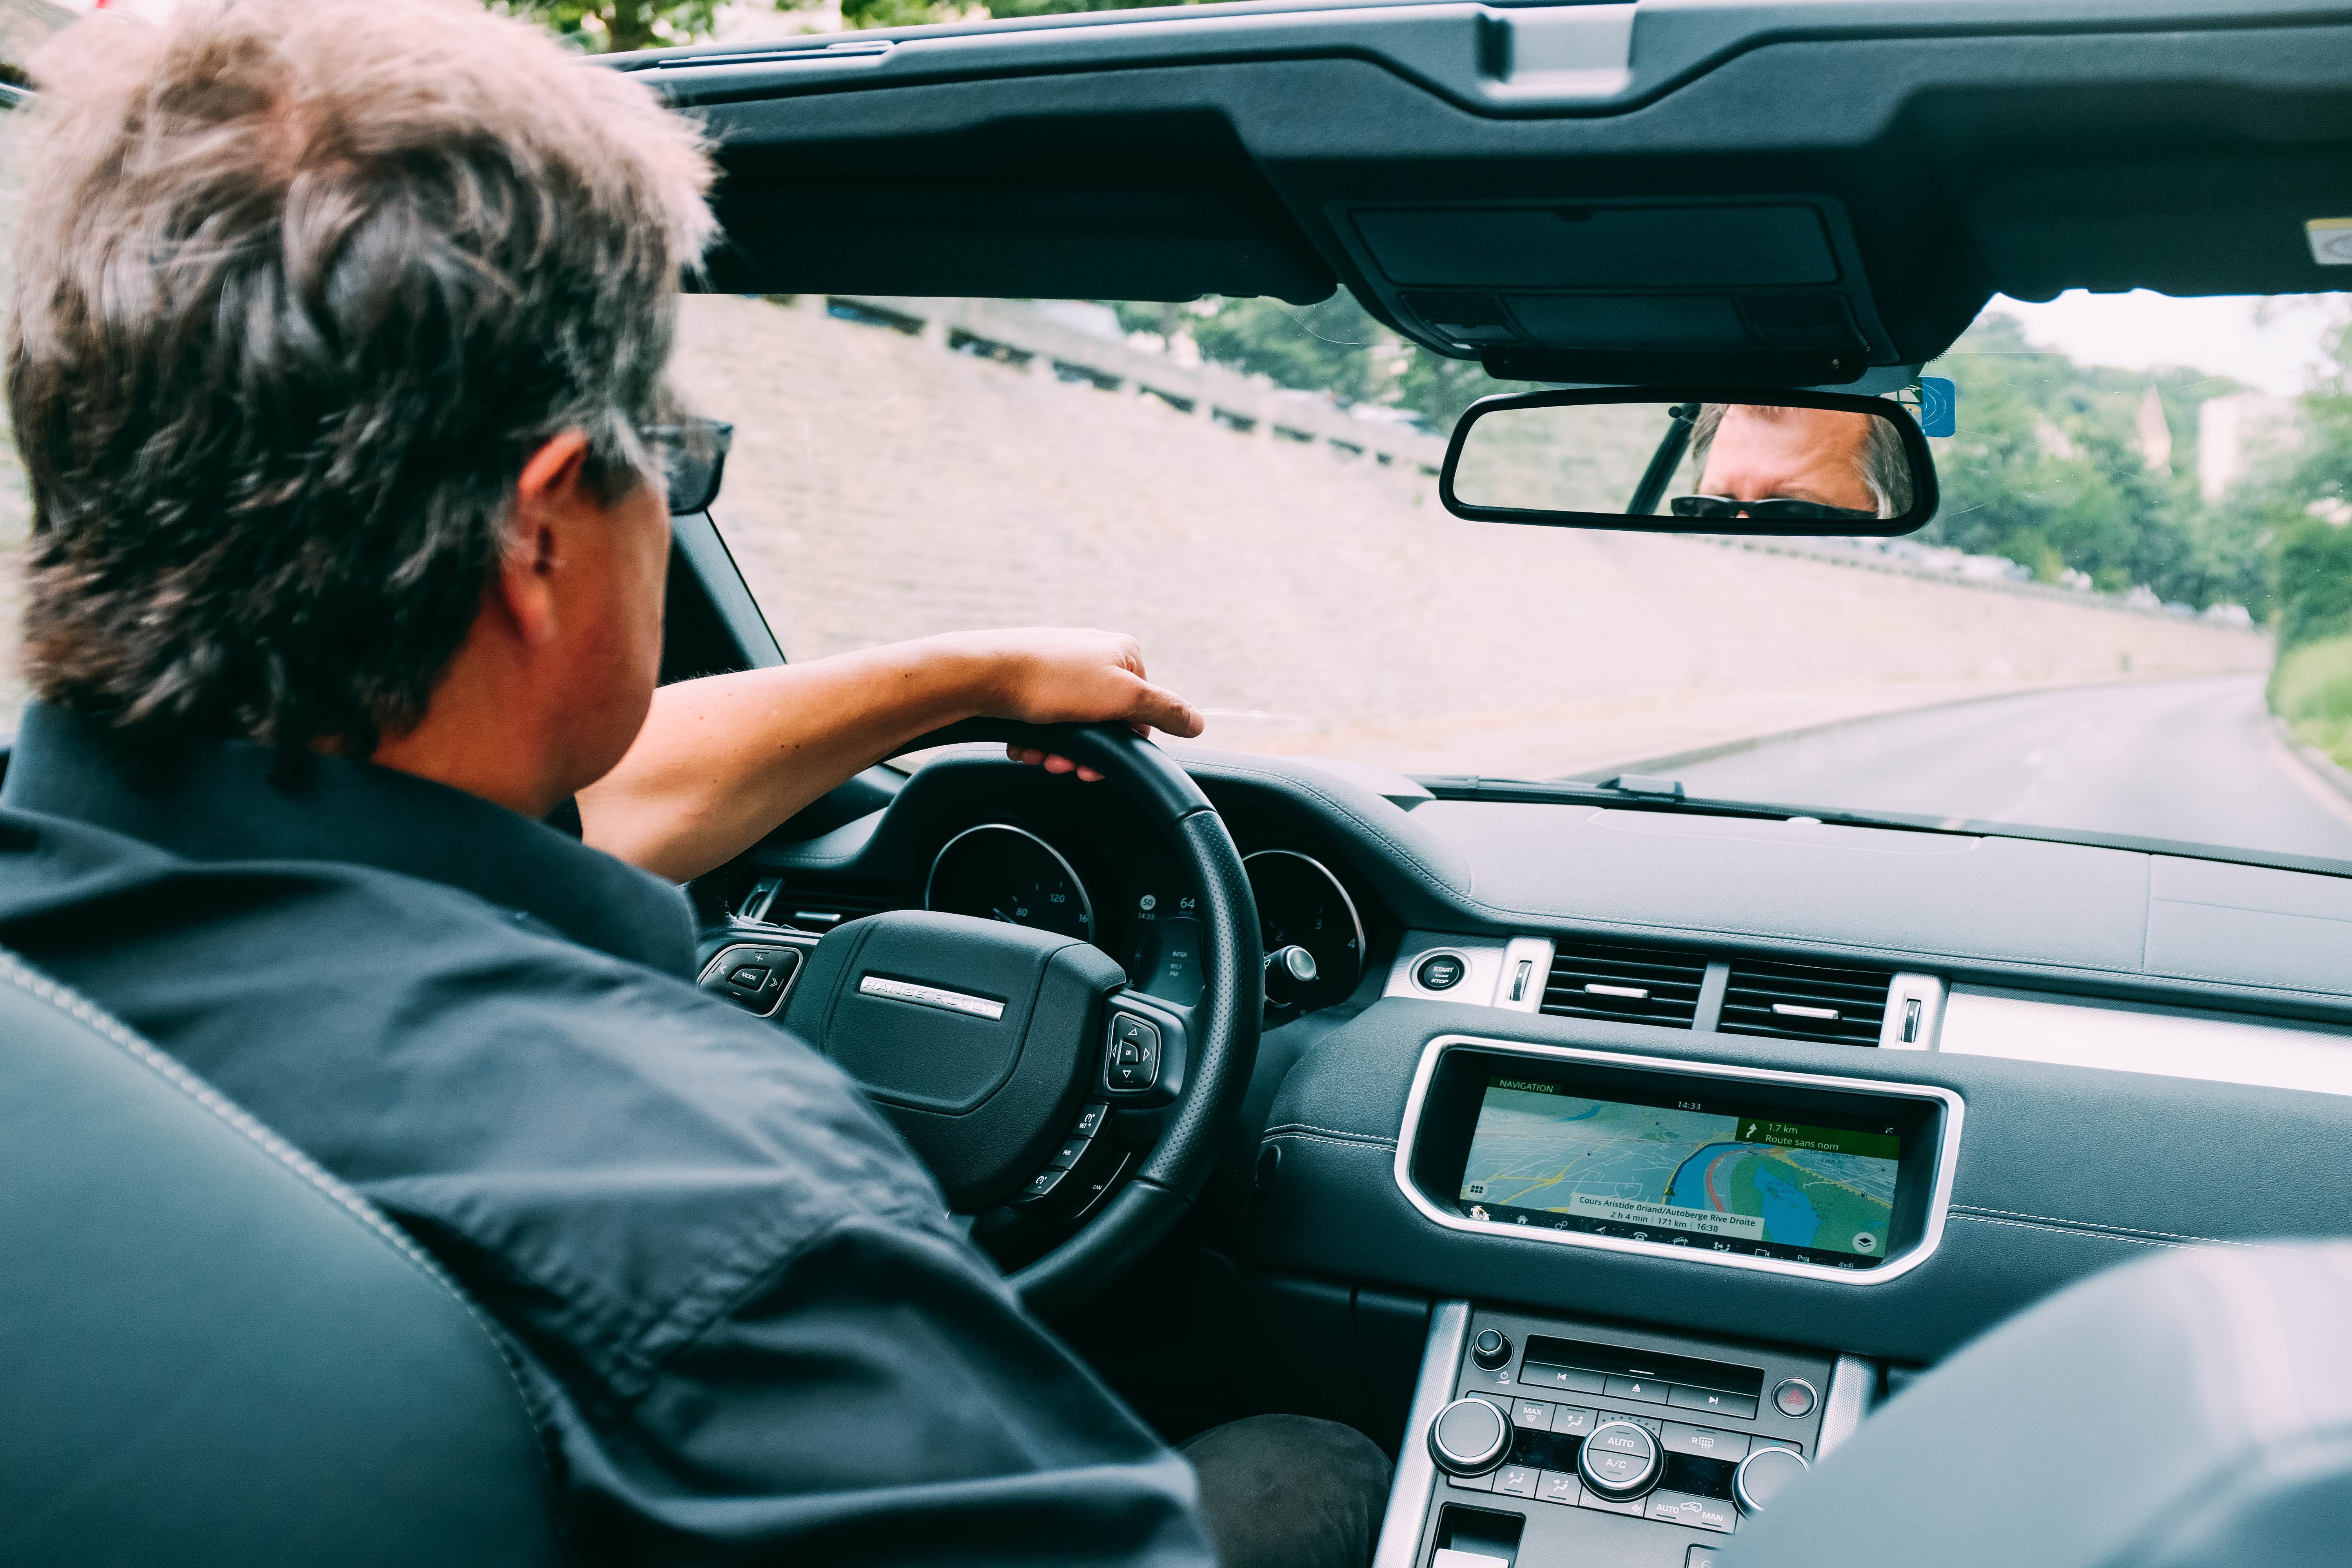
988 1043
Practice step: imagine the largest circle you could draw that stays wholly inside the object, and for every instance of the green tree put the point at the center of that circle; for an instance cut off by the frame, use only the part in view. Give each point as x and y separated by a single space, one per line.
610 25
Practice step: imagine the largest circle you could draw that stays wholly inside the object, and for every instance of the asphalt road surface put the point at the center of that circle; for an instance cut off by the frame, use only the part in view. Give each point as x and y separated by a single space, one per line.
2186 760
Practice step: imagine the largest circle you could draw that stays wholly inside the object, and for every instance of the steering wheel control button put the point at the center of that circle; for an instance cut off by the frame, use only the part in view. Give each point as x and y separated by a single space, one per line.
1741 1405
1072 1151
1469 1438
1795 1397
753 978
1491 1350
1648 1390
1440 972
1620 1461
1041 1184
1763 1474
1697 1512
1131 1062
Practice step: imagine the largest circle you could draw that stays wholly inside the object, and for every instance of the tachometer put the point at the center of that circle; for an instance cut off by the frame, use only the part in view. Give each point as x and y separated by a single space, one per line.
1301 904
999 872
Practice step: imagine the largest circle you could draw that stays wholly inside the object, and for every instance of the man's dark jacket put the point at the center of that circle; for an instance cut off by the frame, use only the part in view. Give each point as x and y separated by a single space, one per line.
755 1331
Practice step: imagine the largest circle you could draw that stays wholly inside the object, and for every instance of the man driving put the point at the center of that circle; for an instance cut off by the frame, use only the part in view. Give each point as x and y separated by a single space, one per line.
1795 463
336 360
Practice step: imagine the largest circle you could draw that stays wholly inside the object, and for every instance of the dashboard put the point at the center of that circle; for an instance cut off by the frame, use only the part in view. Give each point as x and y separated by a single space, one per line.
1810 1106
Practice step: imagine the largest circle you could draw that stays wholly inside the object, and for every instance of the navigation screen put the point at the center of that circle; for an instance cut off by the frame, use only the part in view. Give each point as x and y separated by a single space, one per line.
1691 1172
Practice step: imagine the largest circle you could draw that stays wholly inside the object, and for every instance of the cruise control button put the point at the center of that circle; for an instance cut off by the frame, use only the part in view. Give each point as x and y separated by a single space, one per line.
1072 1151
1648 1390
1697 1512
1090 1120
1518 1480
1532 1414
1705 1441
1558 1486
1688 1398
1043 1182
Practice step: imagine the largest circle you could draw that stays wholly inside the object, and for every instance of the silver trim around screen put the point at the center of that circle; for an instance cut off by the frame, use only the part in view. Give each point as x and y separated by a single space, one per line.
931 996
1416 1472
1948 1153
1086 899
1346 902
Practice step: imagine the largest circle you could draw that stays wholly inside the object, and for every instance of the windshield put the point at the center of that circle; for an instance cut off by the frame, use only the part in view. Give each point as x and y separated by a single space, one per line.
2133 616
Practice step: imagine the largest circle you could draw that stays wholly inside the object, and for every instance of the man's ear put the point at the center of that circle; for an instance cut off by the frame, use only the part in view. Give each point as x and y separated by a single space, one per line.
550 499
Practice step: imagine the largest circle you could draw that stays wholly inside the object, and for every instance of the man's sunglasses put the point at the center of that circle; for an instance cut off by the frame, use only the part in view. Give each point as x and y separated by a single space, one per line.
1772 509
694 456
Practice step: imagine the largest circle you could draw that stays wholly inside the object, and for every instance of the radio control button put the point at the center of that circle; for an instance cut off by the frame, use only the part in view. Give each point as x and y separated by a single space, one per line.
1574 1379
1491 1350
1741 1406
1648 1390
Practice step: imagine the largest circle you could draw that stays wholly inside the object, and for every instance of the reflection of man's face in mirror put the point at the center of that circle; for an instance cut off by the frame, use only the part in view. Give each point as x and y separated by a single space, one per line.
1796 454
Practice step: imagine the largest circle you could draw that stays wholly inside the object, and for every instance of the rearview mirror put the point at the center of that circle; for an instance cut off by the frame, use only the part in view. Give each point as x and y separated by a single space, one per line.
1678 460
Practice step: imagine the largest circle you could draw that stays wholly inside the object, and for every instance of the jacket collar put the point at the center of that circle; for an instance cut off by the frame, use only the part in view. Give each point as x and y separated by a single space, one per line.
218 801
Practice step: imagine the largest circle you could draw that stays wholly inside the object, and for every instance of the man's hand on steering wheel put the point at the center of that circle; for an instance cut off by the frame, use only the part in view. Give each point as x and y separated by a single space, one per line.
1054 674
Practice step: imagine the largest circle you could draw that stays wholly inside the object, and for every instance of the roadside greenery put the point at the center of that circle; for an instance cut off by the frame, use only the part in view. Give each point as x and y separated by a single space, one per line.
609 26
2312 690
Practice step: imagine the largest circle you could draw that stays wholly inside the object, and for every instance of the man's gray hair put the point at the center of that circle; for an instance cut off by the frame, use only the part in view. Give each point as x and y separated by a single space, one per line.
300 284
1882 466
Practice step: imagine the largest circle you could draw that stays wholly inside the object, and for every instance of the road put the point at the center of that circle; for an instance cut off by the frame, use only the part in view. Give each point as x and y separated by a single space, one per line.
2187 760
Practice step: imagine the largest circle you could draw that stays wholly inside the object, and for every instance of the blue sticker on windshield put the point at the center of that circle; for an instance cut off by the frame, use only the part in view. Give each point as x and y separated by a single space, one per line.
1940 406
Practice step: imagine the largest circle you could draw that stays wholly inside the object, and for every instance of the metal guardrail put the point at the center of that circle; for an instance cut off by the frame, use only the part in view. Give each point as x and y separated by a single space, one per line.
1010 331
1014 333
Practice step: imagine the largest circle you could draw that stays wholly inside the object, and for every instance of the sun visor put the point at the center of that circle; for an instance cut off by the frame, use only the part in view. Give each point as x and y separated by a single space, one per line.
1769 291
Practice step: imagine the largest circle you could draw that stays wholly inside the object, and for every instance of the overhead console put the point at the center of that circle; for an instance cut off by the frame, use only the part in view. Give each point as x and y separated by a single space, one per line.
1741 1167
1758 288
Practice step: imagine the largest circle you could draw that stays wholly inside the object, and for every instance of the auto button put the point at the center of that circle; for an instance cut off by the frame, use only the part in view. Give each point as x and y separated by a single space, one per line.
1619 1461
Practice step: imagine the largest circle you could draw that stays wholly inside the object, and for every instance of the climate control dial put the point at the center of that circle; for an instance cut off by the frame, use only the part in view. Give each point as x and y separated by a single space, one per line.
1619 1460
1469 1438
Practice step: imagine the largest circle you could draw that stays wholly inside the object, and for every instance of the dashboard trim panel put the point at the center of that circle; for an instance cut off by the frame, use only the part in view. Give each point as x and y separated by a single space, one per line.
1939 1198
1355 916
1416 1473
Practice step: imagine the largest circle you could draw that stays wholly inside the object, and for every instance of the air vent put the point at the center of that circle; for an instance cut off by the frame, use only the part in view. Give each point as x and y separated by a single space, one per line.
811 909
1834 1005
1643 985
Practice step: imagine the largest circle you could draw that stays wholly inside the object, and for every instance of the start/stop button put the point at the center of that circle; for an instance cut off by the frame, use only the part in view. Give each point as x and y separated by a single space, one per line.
1440 972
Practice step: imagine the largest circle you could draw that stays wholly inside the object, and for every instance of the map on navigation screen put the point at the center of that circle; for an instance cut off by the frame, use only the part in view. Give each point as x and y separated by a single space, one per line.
1732 1183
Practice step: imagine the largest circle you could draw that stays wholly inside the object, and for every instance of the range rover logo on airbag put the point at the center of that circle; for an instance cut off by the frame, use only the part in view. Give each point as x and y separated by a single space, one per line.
931 996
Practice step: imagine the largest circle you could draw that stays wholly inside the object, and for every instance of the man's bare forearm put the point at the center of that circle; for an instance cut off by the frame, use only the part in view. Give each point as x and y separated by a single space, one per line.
722 760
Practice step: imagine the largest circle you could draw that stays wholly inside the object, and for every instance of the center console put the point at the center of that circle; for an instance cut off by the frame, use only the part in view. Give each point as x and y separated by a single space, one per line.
1541 1440
1538 1441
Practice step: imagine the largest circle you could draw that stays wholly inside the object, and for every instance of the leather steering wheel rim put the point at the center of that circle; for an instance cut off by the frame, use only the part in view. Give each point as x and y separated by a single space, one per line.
1223 1031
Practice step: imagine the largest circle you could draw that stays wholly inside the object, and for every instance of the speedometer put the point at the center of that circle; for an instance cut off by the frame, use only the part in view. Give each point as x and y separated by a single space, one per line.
1301 904
999 872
